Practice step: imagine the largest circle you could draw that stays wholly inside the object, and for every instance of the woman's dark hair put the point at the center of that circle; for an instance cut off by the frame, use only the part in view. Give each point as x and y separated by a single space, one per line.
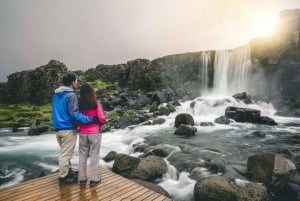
68 78
87 97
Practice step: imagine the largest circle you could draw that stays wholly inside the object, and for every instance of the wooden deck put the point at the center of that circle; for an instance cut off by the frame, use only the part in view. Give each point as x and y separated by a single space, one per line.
113 187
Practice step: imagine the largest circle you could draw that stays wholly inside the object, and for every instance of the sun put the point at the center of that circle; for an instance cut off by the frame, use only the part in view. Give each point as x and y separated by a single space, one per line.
265 26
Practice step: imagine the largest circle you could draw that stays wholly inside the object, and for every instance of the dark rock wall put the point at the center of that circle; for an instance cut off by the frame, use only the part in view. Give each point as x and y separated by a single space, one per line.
33 86
276 64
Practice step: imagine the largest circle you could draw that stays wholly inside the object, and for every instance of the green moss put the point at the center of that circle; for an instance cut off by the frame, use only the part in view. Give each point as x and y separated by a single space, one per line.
23 113
151 105
82 78
99 84
112 114
130 113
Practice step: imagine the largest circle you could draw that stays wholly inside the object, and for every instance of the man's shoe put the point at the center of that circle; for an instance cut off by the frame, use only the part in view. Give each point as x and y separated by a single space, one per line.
67 180
82 182
95 182
73 172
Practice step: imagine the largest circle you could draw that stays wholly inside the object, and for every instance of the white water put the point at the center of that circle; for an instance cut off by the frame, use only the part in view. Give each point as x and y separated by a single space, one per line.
231 70
204 63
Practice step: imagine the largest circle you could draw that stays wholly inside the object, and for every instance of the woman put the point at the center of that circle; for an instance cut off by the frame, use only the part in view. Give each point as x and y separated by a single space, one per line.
89 135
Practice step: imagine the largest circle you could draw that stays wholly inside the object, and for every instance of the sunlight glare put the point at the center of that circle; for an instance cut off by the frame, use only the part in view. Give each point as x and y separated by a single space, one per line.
265 26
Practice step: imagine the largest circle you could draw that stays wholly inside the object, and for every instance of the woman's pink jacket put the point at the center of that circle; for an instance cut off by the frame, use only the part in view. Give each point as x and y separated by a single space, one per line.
93 128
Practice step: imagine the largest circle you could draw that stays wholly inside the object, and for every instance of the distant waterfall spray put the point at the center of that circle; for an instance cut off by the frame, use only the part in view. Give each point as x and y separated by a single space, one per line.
231 70
204 62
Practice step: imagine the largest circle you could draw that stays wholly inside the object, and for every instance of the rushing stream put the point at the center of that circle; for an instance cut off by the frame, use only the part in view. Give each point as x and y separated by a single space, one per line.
24 157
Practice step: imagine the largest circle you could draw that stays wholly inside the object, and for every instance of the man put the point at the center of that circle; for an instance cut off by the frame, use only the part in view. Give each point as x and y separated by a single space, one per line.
65 111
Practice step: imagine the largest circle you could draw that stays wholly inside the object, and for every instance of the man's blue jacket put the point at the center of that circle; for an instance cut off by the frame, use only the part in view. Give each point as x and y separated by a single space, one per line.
65 109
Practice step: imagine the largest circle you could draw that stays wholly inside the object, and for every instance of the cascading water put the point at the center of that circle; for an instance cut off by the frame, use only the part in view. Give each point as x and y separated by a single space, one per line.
203 65
221 64
231 71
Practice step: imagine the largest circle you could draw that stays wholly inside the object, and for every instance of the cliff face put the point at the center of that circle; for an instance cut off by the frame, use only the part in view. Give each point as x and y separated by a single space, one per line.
276 64
33 86
275 72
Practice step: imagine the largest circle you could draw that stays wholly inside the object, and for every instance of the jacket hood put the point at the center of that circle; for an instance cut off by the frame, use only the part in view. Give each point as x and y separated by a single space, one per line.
63 89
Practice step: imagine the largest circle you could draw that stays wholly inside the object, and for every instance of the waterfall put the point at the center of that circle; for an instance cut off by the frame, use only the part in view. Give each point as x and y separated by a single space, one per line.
220 72
203 66
231 70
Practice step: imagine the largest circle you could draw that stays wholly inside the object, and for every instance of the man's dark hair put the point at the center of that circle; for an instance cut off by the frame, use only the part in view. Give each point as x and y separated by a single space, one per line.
68 78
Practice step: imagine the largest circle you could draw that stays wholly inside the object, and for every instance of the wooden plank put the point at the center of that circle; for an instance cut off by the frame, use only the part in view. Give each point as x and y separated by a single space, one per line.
30 190
147 194
113 187
106 185
26 185
138 194
151 197
86 191
161 198
116 189
120 195
64 194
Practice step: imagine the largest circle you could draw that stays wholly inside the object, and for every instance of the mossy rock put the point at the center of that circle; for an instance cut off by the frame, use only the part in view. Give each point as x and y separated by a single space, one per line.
6 117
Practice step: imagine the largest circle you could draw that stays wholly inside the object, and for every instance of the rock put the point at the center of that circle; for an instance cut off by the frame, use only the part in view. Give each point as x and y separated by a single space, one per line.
150 168
271 169
247 115
164 111
243 97
147 169
214 189
242 114
267 121
207 124
184 118
222 120
259 134
124 165
37 130
249 191
158 121
112 155
160 97
218 188
186 130
35 86
160 150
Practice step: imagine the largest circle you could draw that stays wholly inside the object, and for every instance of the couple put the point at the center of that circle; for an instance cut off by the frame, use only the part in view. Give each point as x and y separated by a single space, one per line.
66 114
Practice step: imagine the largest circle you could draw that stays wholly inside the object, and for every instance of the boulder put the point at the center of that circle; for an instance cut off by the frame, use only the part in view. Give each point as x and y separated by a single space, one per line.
247 115
242 114
222 120
186 130
214 189
218 188
184 118
271 169
243 97
147 169
124 165
112 155
150 168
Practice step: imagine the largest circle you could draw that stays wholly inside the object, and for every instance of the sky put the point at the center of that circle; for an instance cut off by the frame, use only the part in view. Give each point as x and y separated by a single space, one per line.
84 33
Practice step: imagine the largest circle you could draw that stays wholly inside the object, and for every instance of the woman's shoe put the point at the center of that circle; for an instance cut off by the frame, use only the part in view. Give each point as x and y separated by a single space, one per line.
95 182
